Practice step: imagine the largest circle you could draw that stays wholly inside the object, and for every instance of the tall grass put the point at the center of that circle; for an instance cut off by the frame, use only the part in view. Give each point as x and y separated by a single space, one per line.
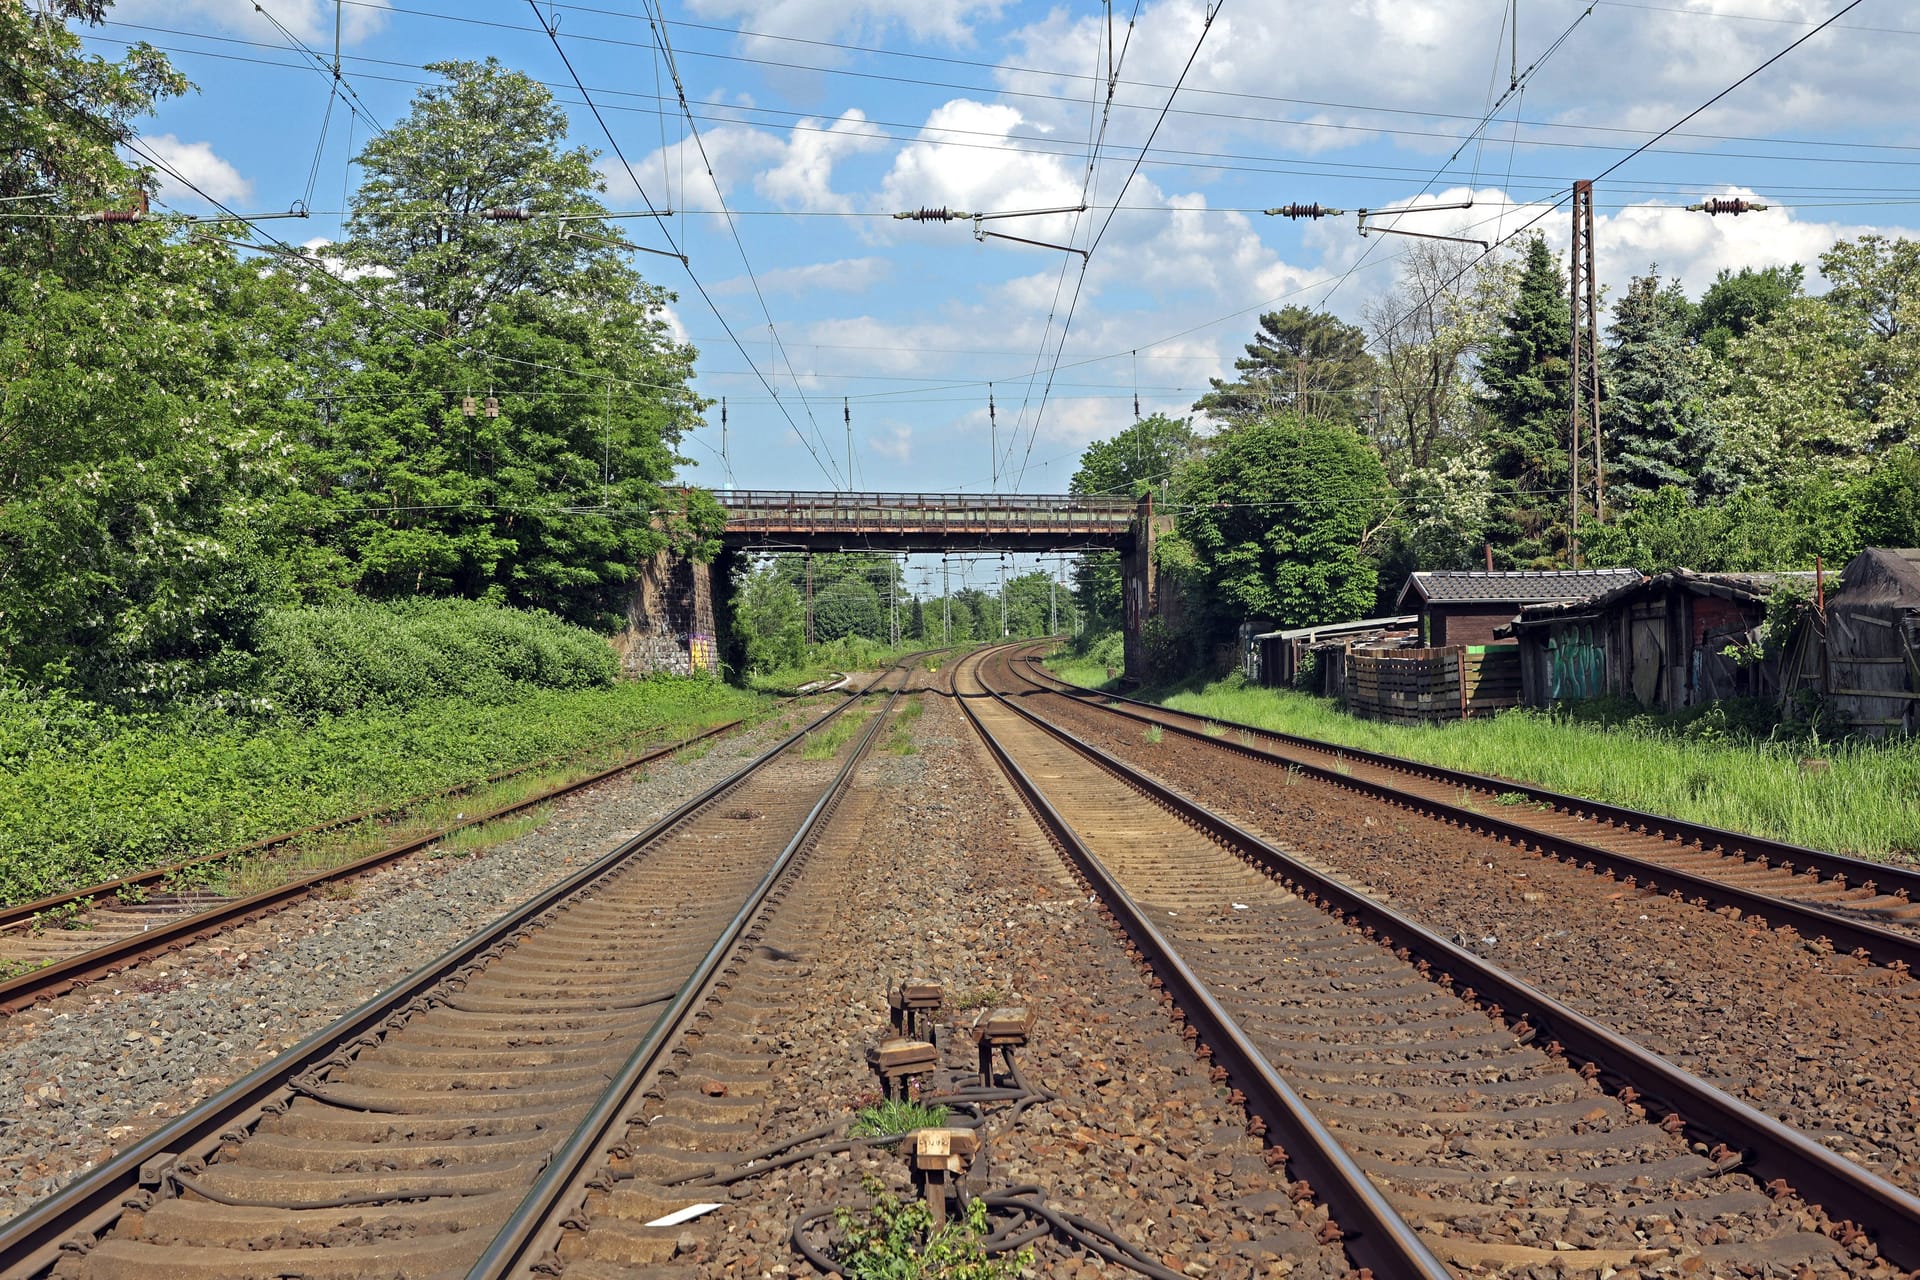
1852 797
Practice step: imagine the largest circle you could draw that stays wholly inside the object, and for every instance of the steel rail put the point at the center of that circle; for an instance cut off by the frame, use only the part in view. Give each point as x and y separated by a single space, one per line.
63 975
86 1207
1879 944
1752 848
1379 1237
531 1236
1772 1149
23 912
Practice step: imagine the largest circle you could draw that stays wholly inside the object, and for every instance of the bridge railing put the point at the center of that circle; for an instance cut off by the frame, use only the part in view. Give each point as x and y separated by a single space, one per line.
802 512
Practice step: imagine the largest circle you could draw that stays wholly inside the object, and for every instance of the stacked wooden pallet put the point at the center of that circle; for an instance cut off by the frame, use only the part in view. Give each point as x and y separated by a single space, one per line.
1426 686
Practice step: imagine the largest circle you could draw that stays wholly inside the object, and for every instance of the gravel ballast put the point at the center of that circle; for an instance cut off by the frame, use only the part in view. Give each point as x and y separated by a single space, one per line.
90 1072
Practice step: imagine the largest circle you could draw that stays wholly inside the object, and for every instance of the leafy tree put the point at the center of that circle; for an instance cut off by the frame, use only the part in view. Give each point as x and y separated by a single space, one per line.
1525 376
488 138
917 628
1889 501
1658 431
1309 362
1430 332
1733 305
1145 454
524 461
1032 599
1278 517
847 607
768 617
138 426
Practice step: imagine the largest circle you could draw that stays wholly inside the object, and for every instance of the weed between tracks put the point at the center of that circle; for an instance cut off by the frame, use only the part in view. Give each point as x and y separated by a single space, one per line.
893 1240
824 744
900 741
884 1119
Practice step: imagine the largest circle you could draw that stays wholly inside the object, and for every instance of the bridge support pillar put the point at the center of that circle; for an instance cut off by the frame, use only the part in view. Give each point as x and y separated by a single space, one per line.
670 620
1141 591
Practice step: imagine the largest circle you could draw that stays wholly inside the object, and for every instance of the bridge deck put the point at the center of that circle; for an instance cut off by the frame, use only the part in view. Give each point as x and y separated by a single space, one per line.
767 518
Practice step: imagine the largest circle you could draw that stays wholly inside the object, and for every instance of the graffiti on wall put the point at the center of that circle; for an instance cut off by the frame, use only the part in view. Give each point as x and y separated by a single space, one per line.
1577 665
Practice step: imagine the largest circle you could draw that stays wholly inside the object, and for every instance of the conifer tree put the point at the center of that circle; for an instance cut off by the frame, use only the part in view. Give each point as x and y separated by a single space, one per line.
1657 429
1525 375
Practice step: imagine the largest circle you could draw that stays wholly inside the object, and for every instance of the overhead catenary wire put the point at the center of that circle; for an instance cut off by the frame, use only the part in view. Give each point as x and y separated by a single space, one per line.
667 232
693 128
1211 12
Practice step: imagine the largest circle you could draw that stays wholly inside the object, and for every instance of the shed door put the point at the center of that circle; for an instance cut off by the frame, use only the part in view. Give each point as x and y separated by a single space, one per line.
1649 659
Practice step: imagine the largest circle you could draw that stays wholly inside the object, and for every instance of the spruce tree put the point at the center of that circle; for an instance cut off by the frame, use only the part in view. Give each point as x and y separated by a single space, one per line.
1525 375
1657 429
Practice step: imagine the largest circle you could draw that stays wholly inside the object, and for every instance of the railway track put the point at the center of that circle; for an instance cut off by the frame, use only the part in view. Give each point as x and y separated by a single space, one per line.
486 1088
1447 1113
1870 909
121 923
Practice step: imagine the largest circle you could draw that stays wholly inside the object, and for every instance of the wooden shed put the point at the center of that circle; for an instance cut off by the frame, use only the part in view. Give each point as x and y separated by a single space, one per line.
1873 642
1467 607
1661 641
1309 657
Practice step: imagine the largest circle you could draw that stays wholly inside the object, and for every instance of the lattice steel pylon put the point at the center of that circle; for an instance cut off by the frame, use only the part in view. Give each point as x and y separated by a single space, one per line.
1583 371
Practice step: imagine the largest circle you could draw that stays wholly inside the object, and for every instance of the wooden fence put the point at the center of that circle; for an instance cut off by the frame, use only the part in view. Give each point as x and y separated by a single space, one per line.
1426 686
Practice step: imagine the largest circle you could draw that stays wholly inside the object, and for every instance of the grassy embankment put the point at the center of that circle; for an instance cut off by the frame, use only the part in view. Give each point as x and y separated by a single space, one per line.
1861 798
363 709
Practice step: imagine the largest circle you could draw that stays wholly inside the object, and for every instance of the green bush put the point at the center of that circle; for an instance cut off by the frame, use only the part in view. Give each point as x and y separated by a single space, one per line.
336 659
87 800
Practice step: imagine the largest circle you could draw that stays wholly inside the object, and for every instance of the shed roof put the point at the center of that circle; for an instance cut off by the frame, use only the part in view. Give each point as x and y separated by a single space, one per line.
1881 575
1337 628
1748 588
1528 586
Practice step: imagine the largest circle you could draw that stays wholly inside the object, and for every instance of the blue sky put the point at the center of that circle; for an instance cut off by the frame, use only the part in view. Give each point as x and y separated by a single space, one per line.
823 117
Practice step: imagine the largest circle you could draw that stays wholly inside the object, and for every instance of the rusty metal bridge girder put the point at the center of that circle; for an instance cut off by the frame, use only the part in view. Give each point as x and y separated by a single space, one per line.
767 519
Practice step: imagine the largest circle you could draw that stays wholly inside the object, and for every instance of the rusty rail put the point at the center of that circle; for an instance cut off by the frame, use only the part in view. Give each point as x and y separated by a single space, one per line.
31 1243
1771 1149
1881 945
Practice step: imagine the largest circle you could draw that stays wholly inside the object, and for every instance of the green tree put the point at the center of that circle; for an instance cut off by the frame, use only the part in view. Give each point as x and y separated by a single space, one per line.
523 459
1525 376
1279 516
1309 362
1733 305
847 607
1658 429
917 628
768 616
488 138
1145 455
139 422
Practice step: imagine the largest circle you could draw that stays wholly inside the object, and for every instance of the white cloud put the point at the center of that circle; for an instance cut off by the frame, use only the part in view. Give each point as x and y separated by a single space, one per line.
889 442
197 164
803 179
311 20
947 21
847 275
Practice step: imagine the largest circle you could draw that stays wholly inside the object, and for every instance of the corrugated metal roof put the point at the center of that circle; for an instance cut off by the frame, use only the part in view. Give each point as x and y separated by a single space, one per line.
1530 586
1751 588
1334 628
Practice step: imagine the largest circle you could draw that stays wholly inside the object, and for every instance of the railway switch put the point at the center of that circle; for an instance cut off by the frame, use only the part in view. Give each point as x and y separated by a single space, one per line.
1006 1029
900 1059
912 999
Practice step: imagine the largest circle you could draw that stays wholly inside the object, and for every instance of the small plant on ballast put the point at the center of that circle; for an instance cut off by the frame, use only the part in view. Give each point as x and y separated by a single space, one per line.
895 1116
892 1240
1153 735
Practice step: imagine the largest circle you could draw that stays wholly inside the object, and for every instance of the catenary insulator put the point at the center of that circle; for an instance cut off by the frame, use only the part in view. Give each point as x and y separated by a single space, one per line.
493 407
1726 204
1303 211
942 214
507 214
467 406
113 215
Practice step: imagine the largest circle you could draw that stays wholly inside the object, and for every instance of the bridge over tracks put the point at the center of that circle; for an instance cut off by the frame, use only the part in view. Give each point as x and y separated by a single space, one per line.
778 520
